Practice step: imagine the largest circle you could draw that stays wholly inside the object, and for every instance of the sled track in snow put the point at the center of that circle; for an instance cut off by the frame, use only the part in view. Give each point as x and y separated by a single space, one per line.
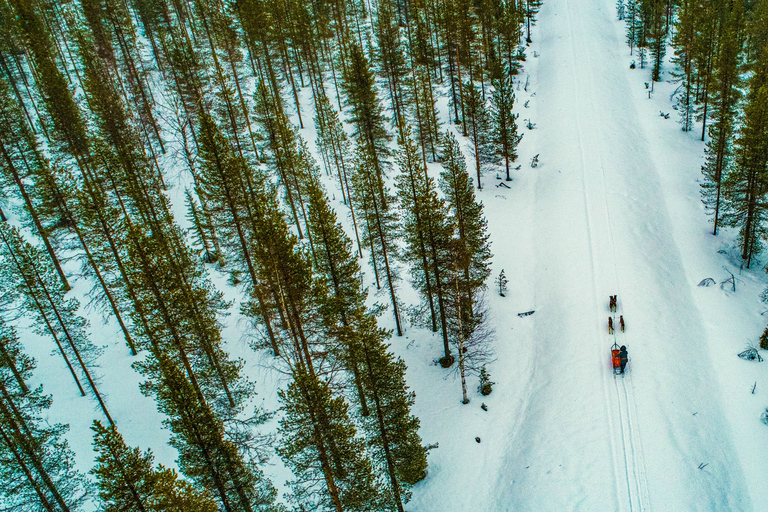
631 442
634 465
629 465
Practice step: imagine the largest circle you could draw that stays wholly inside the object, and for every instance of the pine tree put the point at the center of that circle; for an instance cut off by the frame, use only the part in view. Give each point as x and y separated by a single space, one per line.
724 99
67 120
14 134
372 200
478 124
191 378
332 139
427 127
683 41
378 377
448 16
340 479
54 314
392 431
49 194
37 470
709 29
229 184
223 39
467 41
200 228
282 144
504 133
653 13
390 56
757 31
466 217
205 454
632 21
127 481
747 184
427 234
175 304
337 287
421 63
470 254
322 438
531 9
366 113
510 35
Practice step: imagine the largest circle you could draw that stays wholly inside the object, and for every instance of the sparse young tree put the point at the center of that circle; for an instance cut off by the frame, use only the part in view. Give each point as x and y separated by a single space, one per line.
501 281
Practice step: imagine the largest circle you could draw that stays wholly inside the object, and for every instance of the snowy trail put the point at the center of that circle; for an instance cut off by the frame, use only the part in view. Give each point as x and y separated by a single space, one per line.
629 464
602 228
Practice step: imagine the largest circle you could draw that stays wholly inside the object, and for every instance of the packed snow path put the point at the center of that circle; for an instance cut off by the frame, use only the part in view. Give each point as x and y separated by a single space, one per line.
591 221
592 442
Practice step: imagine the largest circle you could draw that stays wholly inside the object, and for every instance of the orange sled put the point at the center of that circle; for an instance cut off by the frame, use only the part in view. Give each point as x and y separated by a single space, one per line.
615 358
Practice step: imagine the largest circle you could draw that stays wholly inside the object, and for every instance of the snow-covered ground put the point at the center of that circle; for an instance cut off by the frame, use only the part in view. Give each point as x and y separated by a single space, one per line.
612 209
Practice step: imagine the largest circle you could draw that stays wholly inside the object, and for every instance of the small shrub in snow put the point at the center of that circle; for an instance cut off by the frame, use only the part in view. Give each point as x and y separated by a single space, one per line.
486 386
502 282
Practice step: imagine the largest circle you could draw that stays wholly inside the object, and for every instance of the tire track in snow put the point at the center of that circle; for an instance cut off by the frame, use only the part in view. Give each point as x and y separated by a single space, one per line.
630 463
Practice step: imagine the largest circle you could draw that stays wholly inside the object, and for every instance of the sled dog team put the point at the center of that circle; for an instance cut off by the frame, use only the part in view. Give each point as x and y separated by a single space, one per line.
619 356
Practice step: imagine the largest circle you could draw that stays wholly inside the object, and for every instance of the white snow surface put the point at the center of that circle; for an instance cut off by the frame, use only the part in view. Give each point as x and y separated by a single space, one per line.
612 209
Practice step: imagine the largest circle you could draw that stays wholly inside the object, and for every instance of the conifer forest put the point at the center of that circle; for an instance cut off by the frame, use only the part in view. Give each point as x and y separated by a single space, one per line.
239 237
